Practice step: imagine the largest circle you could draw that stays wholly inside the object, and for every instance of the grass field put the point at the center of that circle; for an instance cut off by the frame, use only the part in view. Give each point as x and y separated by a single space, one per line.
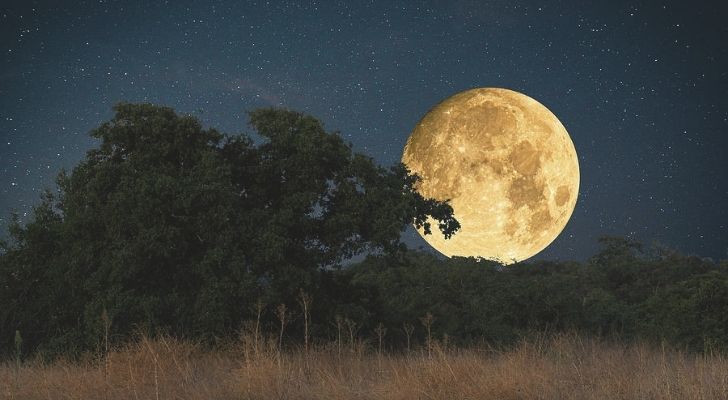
560 367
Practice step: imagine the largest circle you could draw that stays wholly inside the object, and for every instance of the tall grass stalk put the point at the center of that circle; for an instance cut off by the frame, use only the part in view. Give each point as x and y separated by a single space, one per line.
427 322
281 314
339 325
259 307
18 350
408 330
305 301
381 331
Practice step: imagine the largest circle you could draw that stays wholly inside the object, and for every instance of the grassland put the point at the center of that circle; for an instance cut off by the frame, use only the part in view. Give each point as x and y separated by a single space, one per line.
560 367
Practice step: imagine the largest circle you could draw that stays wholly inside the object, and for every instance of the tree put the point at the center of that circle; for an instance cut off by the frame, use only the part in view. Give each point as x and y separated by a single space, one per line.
320 202
167 225
690 313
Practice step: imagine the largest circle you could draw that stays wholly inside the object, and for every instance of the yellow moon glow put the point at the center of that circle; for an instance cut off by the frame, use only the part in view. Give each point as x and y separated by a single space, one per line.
508 167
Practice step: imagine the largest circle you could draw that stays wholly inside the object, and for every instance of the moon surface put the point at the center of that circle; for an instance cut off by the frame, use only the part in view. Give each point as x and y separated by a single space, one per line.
508 167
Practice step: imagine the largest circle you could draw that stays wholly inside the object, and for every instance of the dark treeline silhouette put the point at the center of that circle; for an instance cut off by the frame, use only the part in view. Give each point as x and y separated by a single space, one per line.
169 227
623 292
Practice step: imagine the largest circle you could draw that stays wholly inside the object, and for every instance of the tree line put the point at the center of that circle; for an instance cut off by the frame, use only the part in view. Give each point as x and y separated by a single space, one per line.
170 227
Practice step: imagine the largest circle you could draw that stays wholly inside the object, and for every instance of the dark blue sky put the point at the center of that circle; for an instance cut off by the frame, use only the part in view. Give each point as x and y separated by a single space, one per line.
640 86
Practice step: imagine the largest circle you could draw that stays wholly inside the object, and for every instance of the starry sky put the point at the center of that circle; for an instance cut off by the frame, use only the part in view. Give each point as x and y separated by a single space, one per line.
640 86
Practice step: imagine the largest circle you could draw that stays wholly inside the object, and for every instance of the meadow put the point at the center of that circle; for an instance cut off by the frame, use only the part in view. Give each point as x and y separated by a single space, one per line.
561 366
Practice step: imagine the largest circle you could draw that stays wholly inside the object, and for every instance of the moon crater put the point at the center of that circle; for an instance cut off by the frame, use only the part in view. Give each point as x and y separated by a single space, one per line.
508 166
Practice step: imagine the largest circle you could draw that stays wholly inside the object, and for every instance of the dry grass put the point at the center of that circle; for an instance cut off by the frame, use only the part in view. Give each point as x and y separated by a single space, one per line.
563 367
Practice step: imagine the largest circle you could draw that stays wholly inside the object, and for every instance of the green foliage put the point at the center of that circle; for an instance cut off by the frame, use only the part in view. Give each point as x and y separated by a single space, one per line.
621 292
692 312
169 226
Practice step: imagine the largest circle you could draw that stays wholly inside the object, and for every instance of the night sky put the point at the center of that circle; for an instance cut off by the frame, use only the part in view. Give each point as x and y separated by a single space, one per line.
642 87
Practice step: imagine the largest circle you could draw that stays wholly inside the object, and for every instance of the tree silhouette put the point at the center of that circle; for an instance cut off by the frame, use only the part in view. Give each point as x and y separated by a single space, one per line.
167 225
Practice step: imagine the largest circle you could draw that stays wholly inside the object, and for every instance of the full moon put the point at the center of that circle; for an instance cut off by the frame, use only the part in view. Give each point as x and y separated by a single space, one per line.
508 167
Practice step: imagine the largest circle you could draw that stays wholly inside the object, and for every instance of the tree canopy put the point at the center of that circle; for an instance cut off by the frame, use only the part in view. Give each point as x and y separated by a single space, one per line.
169 225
